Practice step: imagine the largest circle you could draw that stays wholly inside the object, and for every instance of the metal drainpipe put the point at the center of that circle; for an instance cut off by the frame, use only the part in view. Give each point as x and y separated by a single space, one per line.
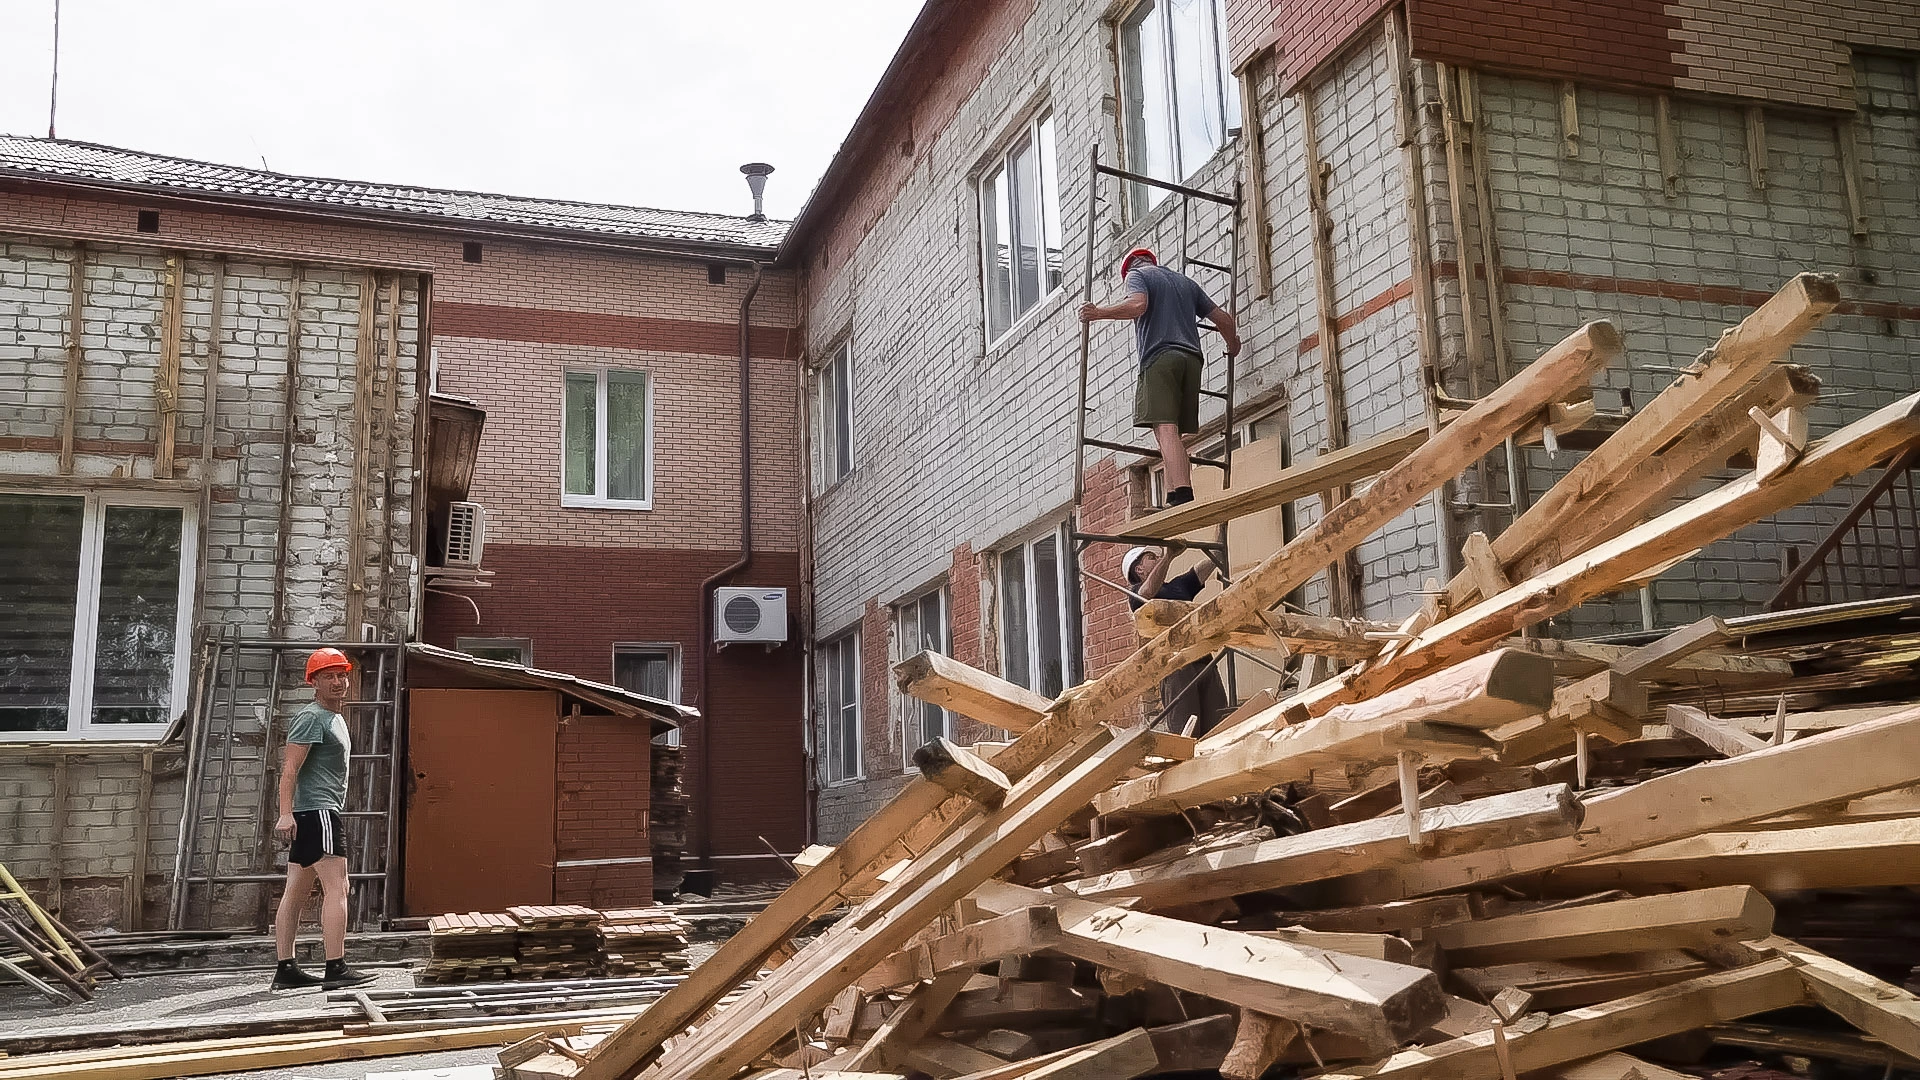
746 557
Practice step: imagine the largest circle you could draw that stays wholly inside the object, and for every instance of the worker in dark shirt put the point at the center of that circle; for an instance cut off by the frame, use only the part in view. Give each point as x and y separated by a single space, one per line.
1194 690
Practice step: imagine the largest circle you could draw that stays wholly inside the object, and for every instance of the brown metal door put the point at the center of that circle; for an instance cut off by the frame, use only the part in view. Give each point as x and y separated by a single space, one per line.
480 822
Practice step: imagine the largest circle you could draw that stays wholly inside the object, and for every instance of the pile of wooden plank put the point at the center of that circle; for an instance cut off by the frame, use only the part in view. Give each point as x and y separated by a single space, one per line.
1465 854
557 941
554 942
642 941
471 947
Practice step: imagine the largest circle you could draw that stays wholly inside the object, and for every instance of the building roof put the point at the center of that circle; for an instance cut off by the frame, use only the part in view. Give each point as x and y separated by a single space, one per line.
473 671
106 166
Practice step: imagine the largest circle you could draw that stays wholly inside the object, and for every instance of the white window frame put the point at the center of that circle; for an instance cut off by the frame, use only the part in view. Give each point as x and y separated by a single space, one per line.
1073 633
912 710
837 371
674 674
1046 153
599 497
86 621
1146 196
831 653
523 644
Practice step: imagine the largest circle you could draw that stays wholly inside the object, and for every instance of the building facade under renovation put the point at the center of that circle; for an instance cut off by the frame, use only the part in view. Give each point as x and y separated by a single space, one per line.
1402 203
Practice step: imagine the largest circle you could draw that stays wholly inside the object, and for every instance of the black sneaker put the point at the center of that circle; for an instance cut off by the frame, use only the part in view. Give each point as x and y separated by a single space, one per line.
339 975
289 975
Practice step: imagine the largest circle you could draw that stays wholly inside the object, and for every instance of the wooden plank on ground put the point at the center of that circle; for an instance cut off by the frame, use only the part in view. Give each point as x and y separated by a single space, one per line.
1380 1003
1875 1006
1582 658
1844 764
1585 1033
1848 855
950 684
1302 480
1564 984
1651 661
1496 821
1686 920
1015 933
1394 916
1486 691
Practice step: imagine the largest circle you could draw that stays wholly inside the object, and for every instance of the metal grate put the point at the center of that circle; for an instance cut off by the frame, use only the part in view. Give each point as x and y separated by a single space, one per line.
1872 552
742 614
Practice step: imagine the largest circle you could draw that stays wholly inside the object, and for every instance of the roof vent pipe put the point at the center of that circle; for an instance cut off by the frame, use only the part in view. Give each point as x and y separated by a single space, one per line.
756 174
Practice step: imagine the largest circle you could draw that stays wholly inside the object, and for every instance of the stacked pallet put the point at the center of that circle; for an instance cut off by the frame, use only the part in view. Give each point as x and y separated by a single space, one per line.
642 941
1467 855
473 947
557 941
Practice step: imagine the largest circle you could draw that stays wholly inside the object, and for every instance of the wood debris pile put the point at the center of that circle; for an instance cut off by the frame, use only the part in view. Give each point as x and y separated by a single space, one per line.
1467 855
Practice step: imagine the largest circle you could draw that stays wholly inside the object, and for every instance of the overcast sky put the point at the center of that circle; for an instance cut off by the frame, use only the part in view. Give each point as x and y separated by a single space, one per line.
646 102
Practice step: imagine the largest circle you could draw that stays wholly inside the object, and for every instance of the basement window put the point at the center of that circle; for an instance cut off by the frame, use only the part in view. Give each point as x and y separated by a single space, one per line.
607 458
470 251
96 604
839 701
512 650
1178 103
148 221
653 669
716 274
1040 613
1020 227
920 625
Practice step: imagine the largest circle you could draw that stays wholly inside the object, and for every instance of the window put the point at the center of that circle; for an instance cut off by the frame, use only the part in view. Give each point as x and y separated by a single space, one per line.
920 625
1040 614
513 650
1020 227
1179 104
609 440
95 614
652 669
840 707
833 386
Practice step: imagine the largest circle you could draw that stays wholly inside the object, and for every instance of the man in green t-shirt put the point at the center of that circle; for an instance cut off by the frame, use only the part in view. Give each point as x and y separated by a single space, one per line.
313 792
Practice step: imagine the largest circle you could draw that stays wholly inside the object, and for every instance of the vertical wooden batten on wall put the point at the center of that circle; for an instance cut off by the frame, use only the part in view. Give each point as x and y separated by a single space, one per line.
1757 147
1569 119
1849 148
166 384
70 401
1668 145
364 363
1253 127
389 430
276 622
1342 577
136 898
57 839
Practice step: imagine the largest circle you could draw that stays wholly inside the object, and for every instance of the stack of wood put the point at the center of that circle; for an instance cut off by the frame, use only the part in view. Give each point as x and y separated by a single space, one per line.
471 947
1465 854
667 822
557 941
642 941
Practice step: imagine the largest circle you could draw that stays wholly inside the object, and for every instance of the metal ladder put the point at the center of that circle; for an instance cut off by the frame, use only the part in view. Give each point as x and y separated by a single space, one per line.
1187 195
240 707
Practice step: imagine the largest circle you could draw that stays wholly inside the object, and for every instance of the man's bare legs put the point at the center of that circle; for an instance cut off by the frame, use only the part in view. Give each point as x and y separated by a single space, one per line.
286 924
1173 453
332 872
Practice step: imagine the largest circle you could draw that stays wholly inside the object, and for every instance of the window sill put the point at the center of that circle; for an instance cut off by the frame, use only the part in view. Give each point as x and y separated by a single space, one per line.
127 741
588 502
837 484
1033 317
848 782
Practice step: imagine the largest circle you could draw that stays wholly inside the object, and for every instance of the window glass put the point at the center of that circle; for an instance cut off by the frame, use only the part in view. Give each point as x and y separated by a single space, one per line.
580 423
1023 174
1179 101
997 230
1050 207
1013 617
849 707
39 588
834 387
139 613
1049 647
626 435
1020 230
1148 99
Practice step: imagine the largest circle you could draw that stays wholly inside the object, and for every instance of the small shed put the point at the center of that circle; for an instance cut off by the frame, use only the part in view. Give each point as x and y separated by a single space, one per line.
526 786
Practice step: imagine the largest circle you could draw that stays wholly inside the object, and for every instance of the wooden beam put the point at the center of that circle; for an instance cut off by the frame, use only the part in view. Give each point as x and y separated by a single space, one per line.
1757 146
1396 950
1851 1049
1650 661
166 379
1783 437
1483 566
1582 658
1564 984
1497 821
1668 144
358 495
1303 479
1875 1006
1489 690
1258 1042
1380 1003
1875 756
1584 1033
1849 855
950 684
1718 736
1122 1057
913 1019
1021 1002
1597 571
57 845
1617 1066
1018 932
136 900
962 772
1317 634
76 356
1193 1045
1535 539
938 1056
1391 917
1685 920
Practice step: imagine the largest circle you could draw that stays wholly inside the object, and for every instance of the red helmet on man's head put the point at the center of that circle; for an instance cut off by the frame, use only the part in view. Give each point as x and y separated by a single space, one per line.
1137 255
327 660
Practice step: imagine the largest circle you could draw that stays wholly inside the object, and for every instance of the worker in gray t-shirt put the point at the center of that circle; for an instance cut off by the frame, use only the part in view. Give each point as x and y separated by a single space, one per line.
1166 307
313 793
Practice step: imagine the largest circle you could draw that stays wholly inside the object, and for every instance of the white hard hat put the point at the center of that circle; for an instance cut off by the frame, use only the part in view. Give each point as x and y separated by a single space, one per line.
1133 556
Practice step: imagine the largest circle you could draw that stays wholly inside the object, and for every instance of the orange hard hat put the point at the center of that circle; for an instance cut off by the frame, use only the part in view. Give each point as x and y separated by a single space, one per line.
1135 255
326 660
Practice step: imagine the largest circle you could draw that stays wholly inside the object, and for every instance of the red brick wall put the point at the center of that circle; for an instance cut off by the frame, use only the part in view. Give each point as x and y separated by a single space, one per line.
602 769
1307 32
752 718
879 728
1109 627
1618 41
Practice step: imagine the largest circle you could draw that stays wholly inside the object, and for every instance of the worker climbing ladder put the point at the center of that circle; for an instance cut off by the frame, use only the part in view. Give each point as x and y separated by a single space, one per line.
1187 264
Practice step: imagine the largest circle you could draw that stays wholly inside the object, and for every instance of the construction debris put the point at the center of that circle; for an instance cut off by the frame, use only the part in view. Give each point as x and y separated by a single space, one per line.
1467 855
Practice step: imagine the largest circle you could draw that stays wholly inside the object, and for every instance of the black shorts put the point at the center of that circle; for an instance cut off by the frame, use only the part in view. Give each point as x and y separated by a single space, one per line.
317 834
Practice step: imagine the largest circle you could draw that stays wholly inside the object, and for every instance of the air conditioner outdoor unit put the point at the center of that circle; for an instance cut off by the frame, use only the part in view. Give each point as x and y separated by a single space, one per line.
466 535
743 615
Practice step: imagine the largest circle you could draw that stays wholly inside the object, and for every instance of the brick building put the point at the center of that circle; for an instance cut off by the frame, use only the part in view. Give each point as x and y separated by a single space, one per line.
604 344
1477 179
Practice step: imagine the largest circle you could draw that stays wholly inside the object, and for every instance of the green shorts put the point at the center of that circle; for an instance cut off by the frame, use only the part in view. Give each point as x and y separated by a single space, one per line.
1169 391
